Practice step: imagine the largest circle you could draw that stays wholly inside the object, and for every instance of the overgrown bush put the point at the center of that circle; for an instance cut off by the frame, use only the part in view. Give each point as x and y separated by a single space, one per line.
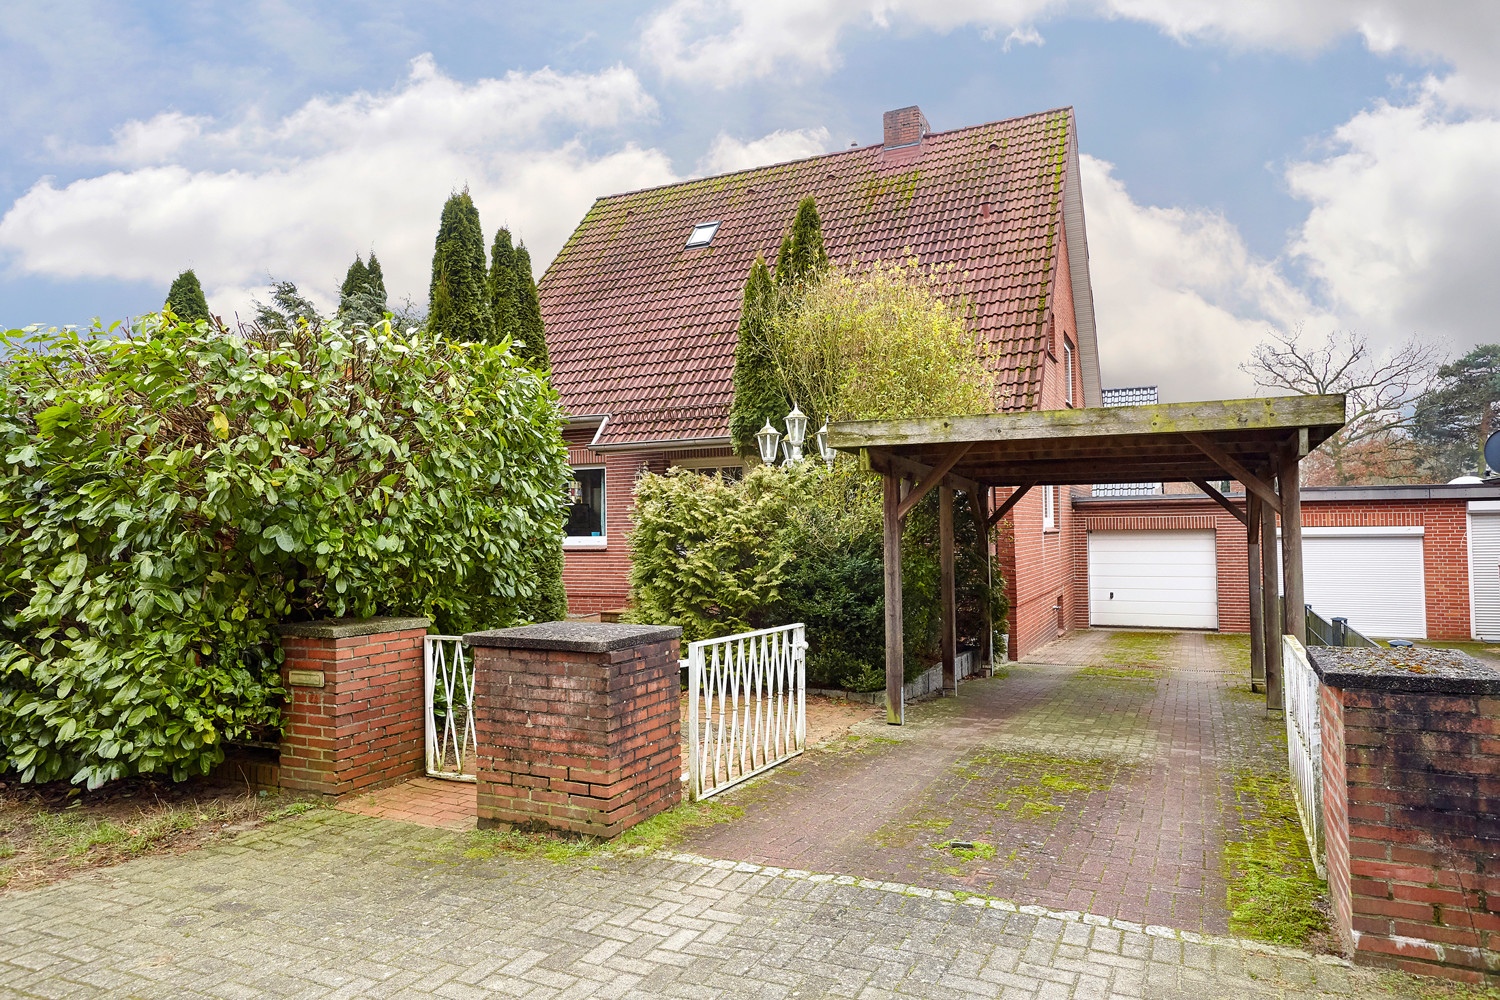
169 494
800 544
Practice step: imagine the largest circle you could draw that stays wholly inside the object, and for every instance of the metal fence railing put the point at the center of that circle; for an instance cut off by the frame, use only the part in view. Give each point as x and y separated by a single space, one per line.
449 685
747 706
1302 691
1330 631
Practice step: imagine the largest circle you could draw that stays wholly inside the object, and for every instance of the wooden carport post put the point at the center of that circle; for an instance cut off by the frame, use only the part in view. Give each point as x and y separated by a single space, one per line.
1289 479
948 585
1270 603
979 503
895 665
1257 622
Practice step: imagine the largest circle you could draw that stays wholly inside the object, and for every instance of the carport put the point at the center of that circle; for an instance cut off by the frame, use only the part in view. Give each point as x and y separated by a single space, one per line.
1258 442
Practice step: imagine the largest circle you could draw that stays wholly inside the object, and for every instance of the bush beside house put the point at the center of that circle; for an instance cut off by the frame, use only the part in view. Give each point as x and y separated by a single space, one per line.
169 494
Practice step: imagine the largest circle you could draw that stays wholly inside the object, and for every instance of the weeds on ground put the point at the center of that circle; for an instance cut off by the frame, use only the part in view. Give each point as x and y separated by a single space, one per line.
1139 649
660 831
1028 784
1409 987
1121 673
1274 890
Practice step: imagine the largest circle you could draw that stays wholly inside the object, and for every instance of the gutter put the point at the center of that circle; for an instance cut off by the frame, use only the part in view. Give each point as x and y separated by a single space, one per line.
673 444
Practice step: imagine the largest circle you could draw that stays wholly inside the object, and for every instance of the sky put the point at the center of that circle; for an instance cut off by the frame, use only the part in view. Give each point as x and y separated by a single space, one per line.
1247 167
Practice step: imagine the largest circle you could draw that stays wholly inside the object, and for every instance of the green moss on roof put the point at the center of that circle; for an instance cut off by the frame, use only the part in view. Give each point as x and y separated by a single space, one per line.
903 186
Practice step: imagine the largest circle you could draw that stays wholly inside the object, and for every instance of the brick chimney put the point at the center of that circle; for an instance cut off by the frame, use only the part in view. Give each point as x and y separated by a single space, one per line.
904 127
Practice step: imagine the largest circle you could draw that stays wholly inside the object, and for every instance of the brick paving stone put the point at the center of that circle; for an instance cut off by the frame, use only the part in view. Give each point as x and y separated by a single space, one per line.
338 905
1112 795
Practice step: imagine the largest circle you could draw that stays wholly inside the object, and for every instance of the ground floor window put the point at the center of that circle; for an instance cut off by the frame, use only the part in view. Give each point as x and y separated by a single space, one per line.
586 513
726 467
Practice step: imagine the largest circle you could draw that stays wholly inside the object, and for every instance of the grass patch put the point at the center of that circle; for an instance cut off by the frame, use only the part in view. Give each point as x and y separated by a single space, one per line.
1138 648
1274 891
898 834
1029 785
662 830
981 851
1409 987
1233 648
1485 651
1121 673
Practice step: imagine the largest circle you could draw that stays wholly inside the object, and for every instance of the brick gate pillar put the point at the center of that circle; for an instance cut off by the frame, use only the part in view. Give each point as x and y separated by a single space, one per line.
579 726
1411 807
353 717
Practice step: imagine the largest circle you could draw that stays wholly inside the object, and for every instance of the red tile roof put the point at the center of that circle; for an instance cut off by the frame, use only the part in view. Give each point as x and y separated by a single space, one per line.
642 329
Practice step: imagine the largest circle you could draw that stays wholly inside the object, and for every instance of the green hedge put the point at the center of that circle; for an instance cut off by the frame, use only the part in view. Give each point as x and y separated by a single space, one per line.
170 492
804 544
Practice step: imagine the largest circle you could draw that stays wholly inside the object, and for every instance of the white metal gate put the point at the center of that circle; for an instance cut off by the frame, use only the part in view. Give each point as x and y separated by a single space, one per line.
747 706
1304 742
449 683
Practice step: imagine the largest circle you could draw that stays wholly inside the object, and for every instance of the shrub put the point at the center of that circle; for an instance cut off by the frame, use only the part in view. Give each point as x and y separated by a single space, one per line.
169 495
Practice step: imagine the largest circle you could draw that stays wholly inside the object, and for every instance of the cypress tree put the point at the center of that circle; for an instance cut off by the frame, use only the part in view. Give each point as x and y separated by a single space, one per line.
362 295
758 394
355 280
502 285
550 602
802 257
529 312
375 282
185 298
459 307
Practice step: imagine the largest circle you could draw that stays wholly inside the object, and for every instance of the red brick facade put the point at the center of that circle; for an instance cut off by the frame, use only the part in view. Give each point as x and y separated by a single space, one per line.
1412 814
353 718
1444 544
582 738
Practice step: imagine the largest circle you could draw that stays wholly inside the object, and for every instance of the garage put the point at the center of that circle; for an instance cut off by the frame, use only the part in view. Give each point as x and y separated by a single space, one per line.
1484 569
1153 579
1372 576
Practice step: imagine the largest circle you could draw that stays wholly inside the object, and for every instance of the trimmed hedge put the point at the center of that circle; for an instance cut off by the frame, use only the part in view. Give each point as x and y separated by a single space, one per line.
170 492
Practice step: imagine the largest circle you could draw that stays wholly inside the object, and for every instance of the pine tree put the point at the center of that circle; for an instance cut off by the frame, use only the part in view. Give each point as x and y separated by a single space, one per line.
355 280
502 285
1454 420
287 310
459 307
529 313
758 394
376 283
802 257
185 298
362 295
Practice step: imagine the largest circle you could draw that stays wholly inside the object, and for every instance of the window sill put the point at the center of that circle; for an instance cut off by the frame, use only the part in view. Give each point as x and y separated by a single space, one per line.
585 544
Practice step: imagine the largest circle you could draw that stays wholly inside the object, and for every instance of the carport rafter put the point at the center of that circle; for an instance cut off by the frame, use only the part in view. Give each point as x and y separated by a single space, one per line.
1259 442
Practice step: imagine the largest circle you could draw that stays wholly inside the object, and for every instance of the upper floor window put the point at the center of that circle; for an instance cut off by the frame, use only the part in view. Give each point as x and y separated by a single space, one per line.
702 234
1068 368
1049 508
586 511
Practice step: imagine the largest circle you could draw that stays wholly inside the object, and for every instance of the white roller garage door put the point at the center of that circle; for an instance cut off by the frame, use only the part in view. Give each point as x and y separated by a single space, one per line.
1484 568
1158 579
1371 576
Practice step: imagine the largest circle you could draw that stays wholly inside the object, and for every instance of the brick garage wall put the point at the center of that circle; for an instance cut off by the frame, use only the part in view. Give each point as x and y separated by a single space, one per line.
1444 546
584 739
1413 829
363 726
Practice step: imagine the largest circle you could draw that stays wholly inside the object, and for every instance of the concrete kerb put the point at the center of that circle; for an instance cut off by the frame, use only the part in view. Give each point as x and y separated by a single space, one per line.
1006 906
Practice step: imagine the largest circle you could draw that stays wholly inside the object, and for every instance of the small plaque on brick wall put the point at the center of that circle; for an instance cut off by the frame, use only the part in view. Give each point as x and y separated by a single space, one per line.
305 678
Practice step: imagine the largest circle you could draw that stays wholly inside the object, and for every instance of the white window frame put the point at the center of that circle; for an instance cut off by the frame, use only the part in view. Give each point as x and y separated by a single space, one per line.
725 462
601 540
1049 508
1068 367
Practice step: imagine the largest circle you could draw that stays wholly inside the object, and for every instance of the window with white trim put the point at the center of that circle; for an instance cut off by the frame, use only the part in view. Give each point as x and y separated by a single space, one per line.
587 517
1068 367
725 468
1049 508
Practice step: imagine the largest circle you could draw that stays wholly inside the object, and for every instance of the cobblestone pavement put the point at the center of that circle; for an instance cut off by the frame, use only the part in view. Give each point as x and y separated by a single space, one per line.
334 905
1099 776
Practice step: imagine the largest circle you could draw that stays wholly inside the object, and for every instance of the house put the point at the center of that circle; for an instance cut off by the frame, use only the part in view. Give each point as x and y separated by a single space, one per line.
642 308
1417 562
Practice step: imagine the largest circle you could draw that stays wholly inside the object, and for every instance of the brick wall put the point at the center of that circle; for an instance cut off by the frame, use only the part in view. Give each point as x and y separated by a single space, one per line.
1414 828
353 718
1444 546
578 726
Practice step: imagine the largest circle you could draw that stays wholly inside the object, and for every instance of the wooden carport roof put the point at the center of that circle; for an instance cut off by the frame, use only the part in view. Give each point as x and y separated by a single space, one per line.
1259 442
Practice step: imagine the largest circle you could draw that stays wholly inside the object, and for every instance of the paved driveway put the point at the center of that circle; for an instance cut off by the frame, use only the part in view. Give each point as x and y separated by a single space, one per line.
335 905
1100 776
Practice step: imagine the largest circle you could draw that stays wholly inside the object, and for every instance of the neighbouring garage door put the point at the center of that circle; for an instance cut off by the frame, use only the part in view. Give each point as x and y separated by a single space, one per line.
1157 579
1371 576
1484 568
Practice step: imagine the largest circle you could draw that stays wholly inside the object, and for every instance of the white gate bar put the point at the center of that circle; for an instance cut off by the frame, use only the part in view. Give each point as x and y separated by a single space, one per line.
448 682
747 706
1302 691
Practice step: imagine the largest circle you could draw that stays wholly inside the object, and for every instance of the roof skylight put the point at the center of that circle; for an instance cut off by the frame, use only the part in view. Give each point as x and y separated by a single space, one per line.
702 235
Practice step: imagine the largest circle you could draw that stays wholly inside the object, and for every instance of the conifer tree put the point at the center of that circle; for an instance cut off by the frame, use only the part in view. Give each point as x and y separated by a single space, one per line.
758 395
376 282
802 256
529 312
362 295
459 307
502 285
355 280
185 298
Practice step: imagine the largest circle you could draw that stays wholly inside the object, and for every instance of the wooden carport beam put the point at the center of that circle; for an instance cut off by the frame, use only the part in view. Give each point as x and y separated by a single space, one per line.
1009 502
1231 465
933 477
894 465
1222 500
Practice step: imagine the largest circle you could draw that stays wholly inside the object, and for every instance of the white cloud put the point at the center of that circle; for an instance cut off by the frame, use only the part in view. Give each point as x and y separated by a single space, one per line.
298 196
728 154
728 41
1179 297
1404 226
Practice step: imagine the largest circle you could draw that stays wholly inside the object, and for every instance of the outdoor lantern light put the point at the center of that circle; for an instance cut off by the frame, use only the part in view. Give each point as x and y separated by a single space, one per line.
827 453
796 433
767 439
